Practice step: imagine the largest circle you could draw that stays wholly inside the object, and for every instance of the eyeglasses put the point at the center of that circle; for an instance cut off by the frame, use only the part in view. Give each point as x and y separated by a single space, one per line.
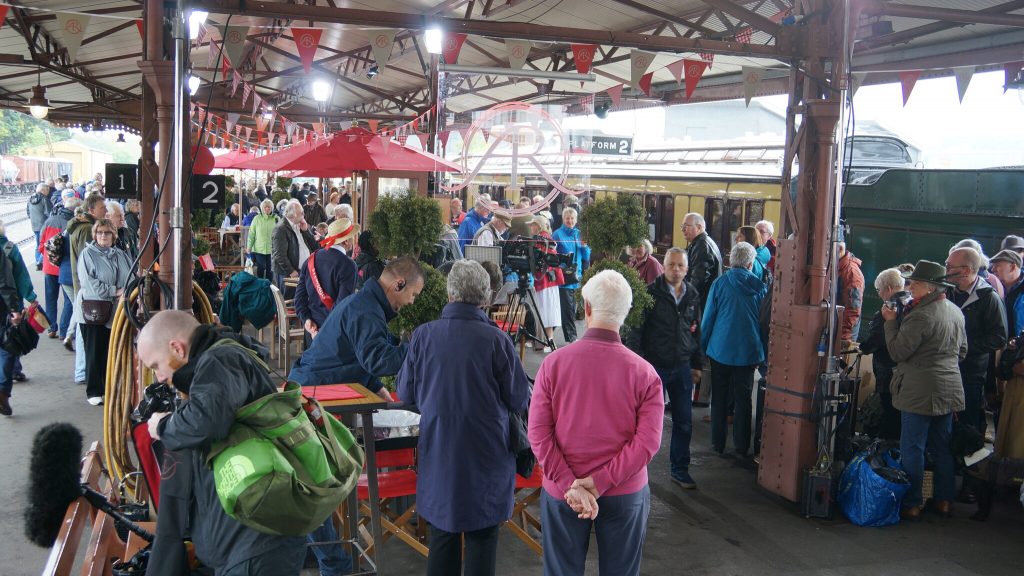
104 233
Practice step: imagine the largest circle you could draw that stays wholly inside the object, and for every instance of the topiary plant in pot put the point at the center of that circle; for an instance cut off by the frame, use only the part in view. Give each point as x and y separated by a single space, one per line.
406 224
642 300
426 308
610 224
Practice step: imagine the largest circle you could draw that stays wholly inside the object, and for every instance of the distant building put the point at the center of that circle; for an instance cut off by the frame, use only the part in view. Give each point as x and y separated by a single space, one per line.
86 161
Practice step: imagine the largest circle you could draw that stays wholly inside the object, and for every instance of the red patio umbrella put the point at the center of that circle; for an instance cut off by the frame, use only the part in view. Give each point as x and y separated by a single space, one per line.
275 161
229 160
359 149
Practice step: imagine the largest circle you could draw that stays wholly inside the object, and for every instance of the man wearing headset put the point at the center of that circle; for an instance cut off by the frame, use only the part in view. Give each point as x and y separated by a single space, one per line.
354 344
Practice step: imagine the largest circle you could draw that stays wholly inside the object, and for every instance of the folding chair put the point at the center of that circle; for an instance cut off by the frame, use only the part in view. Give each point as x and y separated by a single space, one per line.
285 333
396 478
526 494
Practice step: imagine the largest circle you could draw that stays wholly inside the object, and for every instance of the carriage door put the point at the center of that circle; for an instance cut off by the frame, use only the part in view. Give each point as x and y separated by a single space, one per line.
664 227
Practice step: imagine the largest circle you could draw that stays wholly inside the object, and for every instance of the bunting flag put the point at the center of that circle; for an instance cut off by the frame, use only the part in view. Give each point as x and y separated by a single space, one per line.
248 133
72 29
273 118
382 41
907 81
402 138
225 69
583 55
707 57
238 130
518 52
451 48
373 125
639 62
752 77
963 79
615 93
744 35
138 23
645 82
211 54
261 123
443 137
1010 72
234 43
694 71
318 127
676 68
857 80
236 79
200 34
256 101
423 138
246 92
306 41
486 133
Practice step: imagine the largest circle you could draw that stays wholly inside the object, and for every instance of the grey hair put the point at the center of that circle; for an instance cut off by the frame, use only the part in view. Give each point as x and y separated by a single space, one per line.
569 210
265 202
698 220
72 203
469 283
132 204
344 211
742 256
114 206
41 187
889 278
972 243
609 296
293 207
677 250
648 247
972 258
767 226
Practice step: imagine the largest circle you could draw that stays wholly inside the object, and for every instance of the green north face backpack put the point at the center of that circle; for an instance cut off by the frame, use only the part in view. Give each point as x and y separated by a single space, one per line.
286 465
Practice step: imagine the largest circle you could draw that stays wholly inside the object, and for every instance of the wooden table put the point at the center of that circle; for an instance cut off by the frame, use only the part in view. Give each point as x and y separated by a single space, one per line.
365 406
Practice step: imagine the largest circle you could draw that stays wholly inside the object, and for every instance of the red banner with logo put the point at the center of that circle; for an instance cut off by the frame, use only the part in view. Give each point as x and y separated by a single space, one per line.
451 47
583 54
306 41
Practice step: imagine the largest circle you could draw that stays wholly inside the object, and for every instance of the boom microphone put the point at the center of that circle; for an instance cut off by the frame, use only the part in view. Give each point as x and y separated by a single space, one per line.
54 483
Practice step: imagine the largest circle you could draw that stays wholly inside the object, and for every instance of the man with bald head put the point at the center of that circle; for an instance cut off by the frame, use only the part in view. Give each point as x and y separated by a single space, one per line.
216 381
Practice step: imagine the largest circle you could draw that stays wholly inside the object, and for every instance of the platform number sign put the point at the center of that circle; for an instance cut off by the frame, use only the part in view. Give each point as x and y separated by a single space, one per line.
208 192
121 181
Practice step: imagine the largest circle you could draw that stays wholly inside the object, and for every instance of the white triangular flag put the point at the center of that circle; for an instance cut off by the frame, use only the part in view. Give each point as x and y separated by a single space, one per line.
234 44
518 52
381 41
72 29
963 79
639 62
752 77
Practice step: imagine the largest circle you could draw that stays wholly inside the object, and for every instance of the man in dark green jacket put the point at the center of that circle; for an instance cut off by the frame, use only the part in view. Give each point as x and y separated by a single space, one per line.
15 287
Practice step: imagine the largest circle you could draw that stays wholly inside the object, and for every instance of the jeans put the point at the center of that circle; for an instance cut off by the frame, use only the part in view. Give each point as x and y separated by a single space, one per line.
567 296
932 433
65 314
262 263
332 558
731 385
974 400
621 527
39 255
52 291
679 384
7 361
79 354
446 556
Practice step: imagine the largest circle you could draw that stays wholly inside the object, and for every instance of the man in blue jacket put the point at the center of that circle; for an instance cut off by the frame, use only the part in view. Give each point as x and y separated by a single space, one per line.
474 220
354 345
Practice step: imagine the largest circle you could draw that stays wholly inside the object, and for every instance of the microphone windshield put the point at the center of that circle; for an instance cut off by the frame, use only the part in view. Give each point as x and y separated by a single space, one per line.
53 481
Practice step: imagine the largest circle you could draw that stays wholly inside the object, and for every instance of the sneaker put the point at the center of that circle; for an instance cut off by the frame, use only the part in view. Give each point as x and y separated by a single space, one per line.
5 404
547 349
684 481
69 344
96 400
19 377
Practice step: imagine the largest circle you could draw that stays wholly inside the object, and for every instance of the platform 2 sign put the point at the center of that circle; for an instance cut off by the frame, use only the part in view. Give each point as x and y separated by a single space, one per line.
121 181
606 145
208 192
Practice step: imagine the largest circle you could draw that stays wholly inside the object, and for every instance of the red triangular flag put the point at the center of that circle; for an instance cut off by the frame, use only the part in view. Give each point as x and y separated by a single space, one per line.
424 138
907 81
373 125
443 137
307 40
225 68
138 23
583 55
3 16
452 47
676 68
486 132
615 93
694 71
645 82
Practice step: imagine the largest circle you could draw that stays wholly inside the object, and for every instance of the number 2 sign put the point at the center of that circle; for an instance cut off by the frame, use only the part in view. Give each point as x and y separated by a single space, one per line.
208 192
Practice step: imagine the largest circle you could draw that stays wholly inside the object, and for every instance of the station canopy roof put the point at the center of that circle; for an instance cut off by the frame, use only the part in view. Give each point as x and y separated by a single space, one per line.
100 83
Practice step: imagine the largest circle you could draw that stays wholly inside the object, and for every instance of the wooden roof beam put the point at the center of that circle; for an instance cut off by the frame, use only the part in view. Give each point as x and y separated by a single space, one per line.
749 16
944 14
695 26
907 35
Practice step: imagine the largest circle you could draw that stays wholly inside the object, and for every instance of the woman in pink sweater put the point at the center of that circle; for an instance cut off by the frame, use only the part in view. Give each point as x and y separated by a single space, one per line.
595 423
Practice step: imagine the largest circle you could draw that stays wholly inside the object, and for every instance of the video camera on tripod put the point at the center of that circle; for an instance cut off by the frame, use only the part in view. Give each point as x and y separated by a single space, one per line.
535 255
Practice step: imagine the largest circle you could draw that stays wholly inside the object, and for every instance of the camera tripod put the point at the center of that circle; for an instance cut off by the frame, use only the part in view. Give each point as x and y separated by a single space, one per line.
519 303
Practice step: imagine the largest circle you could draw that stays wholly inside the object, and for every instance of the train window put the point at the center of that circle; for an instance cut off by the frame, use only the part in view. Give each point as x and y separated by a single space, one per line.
754 212
751 154
664 228
651 210
713 210
732 154
734 212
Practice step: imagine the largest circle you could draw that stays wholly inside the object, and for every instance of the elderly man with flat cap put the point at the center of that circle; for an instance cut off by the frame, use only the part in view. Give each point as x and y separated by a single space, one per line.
474 221
493 232
327 277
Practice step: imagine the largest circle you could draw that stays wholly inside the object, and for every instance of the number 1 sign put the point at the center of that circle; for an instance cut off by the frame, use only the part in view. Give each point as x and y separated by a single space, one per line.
121 181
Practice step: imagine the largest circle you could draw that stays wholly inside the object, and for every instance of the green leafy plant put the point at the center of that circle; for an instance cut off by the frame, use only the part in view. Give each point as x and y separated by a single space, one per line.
611 224
279 195
406 224
283 183
427 306
200 246
229 181
642 300
200 219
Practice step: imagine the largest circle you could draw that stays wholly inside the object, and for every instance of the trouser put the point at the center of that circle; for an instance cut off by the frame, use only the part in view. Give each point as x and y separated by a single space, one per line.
66 313
262 262
731 386
7 361
287 292
567 298
762 388
621 526
331 558
51 289
889 428
281 561
39 255
69 296
97 344
679 384
79 354
933 434
974 404
446 556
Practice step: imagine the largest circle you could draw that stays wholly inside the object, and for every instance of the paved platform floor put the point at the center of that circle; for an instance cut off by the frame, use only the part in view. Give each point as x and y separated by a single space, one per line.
728 526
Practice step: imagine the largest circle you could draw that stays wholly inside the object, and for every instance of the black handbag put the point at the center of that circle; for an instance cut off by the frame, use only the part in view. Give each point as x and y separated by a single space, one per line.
18 339
520 444
97 312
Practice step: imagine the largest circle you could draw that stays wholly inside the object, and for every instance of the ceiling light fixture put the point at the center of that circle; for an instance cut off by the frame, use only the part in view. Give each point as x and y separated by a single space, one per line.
373 71
120 139
38 105
268 113
196 18
193 85
433 38
321 91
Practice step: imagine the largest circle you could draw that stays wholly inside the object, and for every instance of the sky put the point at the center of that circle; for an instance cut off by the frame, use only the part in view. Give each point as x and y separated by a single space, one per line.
986 130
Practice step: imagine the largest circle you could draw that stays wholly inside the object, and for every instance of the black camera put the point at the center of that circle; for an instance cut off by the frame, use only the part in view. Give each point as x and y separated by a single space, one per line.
159 397
530 255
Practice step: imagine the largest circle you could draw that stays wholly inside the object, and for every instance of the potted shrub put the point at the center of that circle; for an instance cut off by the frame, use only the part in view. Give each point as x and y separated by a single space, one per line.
406 224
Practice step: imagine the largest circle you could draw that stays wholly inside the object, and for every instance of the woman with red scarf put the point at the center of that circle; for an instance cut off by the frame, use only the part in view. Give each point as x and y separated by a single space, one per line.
546 284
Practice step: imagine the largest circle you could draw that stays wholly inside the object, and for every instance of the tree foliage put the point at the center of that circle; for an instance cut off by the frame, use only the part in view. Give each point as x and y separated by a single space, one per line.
611 224
406 224
20 131
642 300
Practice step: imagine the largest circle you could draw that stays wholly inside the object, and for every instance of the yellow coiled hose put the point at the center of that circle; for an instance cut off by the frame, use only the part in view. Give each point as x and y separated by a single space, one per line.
122 392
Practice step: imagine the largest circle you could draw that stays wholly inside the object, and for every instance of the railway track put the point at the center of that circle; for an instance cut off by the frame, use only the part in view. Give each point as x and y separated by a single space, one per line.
12 213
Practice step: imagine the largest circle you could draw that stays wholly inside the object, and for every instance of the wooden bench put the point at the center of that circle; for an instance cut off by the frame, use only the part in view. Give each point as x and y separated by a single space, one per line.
104 544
